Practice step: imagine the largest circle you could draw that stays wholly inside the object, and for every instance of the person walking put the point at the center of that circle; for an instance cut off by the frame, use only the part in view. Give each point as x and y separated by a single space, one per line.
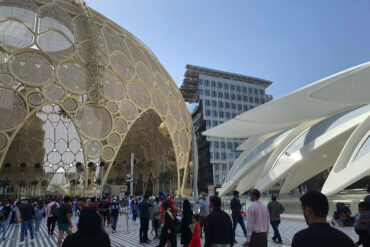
217 226
90 231
195 227
39 213
315 209
114 211
275 209
52 211
186 222
169 226
64 219
17 213
361 229
5 210
27 215
257 222
156 215
144 219
236 209
204 212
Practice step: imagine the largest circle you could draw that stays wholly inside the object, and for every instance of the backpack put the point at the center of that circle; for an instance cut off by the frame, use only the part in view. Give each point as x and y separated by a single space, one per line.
55 210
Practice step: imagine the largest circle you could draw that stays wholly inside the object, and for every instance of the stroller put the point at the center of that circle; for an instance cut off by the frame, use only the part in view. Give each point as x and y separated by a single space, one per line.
342 216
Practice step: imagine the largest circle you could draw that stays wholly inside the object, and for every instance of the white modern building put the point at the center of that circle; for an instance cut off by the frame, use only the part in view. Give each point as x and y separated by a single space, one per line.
323 126
223 96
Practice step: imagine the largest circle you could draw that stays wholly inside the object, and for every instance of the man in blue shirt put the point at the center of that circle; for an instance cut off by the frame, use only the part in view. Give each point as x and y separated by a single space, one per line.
204 211
144 219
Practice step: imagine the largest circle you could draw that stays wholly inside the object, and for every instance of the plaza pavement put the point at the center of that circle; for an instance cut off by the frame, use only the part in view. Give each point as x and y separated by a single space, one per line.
129 237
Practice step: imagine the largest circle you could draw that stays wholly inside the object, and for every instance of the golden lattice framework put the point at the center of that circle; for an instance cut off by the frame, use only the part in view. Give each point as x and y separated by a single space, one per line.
61 54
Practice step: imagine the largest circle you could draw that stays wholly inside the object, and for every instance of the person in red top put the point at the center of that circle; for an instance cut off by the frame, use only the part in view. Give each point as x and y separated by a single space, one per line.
195 227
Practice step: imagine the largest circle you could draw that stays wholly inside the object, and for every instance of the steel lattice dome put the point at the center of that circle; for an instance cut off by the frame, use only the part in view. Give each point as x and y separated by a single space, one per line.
76 87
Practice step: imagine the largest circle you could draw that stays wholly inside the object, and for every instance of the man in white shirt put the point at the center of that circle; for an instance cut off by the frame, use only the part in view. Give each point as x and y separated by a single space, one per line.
258 222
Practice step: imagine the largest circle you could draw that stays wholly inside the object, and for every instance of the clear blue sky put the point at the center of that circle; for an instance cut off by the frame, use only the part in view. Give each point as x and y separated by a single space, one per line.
290 42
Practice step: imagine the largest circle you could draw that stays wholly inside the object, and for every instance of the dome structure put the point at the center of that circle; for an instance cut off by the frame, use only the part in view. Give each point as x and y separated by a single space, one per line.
76 88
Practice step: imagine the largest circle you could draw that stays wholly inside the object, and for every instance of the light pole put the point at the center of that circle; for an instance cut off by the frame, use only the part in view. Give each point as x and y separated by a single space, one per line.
195 189
132 174
101 180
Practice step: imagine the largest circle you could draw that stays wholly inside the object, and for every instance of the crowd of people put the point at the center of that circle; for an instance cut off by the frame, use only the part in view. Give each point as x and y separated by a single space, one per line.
93 218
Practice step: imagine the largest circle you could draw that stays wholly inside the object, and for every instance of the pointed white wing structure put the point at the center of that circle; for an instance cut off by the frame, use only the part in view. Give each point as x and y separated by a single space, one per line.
299 135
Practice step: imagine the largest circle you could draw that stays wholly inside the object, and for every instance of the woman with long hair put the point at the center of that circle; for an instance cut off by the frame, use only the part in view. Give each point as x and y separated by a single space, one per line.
39 213
186 221
90 232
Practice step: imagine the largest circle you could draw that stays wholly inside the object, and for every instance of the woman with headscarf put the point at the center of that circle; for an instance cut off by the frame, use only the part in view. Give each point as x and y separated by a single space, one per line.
168 229
90 232
186 221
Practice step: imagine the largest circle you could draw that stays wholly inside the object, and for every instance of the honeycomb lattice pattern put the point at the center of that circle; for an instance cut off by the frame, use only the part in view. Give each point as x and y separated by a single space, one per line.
76 70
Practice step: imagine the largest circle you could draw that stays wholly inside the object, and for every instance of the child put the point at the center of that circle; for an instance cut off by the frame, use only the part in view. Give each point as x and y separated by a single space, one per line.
195 238
360 227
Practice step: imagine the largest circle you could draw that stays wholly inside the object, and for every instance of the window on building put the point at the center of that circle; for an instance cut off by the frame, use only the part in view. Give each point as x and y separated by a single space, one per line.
233 106
213 83
262 92
229 145
208 103
237 155
208 93
233 97
220 104
227 115
217 155
245 107
220 95
226 86
219 84
251 99
223 156
250 90
245 90
215 123
245 98
263 101
236 145
239 97
214 113
257 100
208 123
221 114
216 145
200 92
227 105
206 82
227 96
200 82
238 89
223 144
214 103
230 156
214 94
255 91
234 114
211 154
208 113
240 107
232 87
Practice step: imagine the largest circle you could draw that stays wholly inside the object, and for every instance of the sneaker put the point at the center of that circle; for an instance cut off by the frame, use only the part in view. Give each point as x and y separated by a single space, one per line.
274 239
113 231
21 243
280 242
32 241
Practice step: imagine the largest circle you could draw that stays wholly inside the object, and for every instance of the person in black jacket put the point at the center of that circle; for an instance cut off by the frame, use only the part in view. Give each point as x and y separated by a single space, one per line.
27 215
169 228
217 226
186 221
90 232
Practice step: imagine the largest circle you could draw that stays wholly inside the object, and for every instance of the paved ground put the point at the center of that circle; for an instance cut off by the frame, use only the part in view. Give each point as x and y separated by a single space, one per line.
129 237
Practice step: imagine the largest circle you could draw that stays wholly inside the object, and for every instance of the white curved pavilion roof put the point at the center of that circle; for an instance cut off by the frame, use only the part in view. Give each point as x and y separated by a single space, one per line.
325 124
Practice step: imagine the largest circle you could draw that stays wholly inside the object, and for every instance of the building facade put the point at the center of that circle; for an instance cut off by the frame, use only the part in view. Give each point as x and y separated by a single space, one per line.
220 96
